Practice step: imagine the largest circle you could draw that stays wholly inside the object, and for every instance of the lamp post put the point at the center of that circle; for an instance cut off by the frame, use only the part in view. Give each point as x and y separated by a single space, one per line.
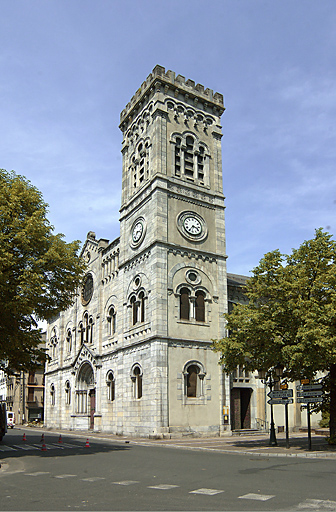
270 377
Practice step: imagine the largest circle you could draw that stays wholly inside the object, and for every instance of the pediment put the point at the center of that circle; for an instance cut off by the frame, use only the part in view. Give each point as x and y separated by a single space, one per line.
85 354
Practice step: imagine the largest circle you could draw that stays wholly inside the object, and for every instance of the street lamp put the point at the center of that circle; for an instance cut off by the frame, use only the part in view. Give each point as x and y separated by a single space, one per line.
270 377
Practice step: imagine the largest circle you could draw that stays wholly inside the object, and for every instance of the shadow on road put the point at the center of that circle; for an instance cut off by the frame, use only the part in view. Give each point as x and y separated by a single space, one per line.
14 446
319 443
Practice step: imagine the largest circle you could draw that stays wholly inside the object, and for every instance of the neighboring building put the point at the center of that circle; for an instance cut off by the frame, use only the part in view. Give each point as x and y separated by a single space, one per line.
133 355
23 393
248 395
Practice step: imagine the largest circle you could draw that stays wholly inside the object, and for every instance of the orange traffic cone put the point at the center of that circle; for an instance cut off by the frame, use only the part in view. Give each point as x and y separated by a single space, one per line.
24 437
87 444
44 448
60 439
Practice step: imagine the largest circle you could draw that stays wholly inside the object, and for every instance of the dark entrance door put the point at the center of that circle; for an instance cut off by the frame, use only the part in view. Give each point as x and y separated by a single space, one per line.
240 408
92 395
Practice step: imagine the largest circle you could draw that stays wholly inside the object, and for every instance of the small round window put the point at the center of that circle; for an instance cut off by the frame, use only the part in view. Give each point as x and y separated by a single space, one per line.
87 289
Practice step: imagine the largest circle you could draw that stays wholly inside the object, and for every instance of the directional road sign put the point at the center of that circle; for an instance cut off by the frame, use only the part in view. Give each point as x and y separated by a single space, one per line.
309 387
309 394
312 400
280 401
282 393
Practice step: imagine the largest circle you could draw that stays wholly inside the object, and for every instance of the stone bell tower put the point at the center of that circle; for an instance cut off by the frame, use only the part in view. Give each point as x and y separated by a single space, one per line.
172 246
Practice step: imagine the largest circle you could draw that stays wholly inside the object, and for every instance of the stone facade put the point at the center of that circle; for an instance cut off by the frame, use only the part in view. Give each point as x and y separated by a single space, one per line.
133 354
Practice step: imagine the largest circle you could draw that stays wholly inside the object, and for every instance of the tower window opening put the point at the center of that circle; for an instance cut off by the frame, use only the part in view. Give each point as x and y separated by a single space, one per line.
184 304
200 307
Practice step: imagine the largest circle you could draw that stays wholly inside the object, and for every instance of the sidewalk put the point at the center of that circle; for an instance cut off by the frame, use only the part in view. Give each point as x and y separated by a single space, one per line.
256 445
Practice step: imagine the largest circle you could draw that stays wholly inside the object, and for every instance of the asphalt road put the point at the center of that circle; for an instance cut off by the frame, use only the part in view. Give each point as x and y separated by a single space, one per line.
121 476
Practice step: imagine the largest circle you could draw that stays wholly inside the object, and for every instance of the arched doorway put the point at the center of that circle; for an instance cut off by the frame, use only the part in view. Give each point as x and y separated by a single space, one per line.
86 393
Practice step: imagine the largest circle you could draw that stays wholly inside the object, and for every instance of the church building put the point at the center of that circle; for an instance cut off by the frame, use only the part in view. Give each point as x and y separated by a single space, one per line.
133 355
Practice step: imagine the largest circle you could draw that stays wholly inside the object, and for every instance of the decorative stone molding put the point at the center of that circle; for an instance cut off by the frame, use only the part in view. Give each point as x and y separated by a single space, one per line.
137 261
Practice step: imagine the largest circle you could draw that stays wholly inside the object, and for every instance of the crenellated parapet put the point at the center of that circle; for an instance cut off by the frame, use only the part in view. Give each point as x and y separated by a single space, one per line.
176 86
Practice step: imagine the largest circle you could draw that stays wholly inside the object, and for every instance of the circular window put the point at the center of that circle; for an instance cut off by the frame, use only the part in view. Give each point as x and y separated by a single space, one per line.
193 277
87 289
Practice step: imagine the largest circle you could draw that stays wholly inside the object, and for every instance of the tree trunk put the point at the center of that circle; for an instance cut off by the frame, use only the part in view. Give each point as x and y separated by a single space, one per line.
332 424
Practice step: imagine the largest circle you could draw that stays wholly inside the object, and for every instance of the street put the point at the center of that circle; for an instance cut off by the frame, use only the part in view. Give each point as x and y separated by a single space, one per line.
110 475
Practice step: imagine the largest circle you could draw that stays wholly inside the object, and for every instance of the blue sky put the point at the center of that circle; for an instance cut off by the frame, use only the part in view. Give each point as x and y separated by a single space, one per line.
68 68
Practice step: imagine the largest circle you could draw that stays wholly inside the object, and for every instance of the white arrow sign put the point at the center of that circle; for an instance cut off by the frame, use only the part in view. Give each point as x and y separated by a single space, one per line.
282 393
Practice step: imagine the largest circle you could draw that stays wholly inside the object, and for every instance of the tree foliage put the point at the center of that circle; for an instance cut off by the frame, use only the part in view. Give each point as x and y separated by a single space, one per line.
39 271
290 317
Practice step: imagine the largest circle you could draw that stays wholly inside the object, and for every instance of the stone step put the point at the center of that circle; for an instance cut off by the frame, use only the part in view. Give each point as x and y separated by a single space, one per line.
247 432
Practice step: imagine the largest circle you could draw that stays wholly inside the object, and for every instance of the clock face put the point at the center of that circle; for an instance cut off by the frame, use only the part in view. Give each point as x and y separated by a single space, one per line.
137 231
192 226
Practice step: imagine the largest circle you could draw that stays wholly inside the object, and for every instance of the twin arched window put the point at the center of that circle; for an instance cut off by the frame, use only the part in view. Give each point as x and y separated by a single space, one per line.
137 304
86 329
53 343
139 165
190 159
192 306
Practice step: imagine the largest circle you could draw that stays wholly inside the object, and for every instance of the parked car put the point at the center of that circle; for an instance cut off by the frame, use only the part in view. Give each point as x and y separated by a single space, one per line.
3 420
10 419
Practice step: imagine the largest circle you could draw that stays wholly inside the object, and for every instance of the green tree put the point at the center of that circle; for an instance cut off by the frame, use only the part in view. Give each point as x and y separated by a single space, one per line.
290 318
39 272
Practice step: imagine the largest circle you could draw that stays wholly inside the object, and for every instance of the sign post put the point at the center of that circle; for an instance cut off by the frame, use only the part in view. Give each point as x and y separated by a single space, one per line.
309 394
282 397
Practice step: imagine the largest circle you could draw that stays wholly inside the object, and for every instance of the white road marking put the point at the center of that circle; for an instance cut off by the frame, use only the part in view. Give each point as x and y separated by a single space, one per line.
38 473
258 497
164 487
208 492
7 448
126 482
93 479
64 476
310 504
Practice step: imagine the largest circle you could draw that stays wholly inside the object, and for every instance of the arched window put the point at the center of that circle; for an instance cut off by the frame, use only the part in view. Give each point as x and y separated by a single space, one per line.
69 341
53 343
200 307
192 373
110 382
52 395
139 168
67 393
90 337
136 377
189 157
193 379
135 309
81 332
138 308
184 304
111 321
142 306
87 328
